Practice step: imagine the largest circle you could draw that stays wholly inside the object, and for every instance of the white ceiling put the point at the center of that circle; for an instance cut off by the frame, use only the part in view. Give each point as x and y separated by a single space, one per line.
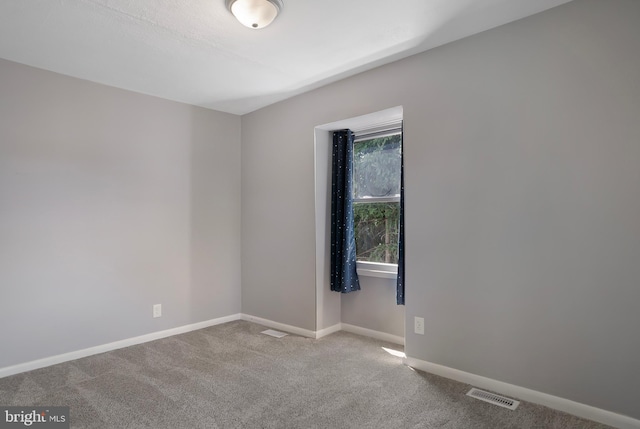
194 51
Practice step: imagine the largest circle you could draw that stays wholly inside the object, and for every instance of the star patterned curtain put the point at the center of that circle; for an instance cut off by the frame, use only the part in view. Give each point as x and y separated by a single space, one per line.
344 277
400 280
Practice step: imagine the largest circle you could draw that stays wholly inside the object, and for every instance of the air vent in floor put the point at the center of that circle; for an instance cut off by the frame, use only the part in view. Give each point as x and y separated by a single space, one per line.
492 398
273 333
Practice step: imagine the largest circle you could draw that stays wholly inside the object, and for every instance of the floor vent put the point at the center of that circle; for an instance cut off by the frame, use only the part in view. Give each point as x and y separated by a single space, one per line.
494 399
273 333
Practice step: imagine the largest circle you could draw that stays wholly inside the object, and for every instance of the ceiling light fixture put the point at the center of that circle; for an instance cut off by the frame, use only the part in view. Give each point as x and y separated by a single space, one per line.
255 13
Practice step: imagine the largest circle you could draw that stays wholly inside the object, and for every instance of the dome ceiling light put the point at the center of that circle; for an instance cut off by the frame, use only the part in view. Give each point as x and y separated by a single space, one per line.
255 13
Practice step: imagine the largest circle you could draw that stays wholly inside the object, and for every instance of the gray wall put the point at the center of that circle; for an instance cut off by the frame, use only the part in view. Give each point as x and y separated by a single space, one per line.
278 222
522 200
110 202
374 307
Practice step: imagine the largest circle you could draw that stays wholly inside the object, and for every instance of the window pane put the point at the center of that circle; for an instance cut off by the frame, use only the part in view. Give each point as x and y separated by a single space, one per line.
376 226
376 170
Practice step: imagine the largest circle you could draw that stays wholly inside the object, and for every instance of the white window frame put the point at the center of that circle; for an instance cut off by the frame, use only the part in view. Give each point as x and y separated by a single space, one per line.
367 268
377 269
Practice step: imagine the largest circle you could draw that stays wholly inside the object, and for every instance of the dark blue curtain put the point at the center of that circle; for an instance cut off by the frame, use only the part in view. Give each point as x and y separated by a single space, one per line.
400 281
344 277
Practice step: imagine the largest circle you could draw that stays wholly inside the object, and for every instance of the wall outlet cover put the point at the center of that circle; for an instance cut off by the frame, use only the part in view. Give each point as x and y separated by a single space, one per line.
418 325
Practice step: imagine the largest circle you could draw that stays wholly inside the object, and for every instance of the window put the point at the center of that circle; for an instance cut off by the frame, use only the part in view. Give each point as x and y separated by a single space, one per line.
376 194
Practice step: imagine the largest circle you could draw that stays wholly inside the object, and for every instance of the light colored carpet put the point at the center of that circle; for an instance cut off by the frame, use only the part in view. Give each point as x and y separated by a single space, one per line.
231 376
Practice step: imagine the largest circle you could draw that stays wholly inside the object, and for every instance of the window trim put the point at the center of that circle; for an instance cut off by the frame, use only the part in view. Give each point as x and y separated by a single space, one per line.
377 269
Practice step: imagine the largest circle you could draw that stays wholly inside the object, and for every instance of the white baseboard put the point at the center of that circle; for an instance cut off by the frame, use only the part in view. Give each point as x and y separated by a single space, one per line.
555 402
277 325
383 336
328 331
65 357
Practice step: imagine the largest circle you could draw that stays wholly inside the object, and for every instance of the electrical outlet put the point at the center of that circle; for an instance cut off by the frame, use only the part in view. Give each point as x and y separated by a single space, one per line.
157 310
418 325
